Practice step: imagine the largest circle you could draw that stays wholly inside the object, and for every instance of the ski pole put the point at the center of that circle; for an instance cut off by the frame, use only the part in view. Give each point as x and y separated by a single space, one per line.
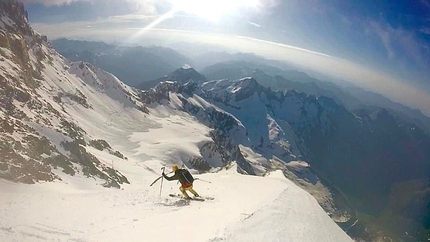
162 178
202 180
158 179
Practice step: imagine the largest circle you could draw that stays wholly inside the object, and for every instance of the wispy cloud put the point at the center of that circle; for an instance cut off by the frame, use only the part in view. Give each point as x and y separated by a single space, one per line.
51 2
385 36
425 3
425 30
254 24
130 18
400 43
141 5
81 10
84 10
262 4
285 46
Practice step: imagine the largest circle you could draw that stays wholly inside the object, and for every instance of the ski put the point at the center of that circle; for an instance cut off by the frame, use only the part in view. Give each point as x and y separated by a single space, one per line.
186 199
201 199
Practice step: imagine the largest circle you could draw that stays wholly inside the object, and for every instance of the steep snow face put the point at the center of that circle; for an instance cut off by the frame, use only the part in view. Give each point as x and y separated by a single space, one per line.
225 130
106 83
268 132
244 208
51 109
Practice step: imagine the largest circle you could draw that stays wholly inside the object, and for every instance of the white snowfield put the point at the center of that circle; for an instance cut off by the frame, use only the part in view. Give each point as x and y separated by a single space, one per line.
244 208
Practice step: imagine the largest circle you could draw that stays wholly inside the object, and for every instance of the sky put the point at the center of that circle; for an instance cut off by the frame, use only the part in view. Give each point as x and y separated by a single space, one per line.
382 46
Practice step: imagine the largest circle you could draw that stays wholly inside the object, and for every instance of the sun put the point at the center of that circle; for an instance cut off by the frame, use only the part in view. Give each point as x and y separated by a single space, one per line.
211 9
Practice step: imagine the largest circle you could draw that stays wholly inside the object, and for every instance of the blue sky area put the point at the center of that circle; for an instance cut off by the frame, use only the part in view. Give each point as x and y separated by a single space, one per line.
385 36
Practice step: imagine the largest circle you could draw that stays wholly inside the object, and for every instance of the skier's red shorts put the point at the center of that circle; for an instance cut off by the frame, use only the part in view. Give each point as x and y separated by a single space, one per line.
186 184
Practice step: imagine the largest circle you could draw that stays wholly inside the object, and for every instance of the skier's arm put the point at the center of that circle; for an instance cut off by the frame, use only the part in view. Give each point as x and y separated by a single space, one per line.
174 177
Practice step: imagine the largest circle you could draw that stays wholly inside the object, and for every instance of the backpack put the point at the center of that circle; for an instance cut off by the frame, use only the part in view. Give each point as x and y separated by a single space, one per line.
187 175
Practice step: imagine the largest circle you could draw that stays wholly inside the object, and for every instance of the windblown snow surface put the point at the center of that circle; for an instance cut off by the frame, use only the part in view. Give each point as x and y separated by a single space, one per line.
244 208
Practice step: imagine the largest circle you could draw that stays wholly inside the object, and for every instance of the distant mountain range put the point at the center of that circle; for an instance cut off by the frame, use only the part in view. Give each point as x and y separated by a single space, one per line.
133 65
127 63
351 97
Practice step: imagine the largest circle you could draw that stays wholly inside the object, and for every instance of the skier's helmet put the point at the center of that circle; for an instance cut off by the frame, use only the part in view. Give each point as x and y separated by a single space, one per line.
175 168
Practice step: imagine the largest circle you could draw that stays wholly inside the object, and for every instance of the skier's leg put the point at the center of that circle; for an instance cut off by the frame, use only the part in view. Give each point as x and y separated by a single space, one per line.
182 189
192 191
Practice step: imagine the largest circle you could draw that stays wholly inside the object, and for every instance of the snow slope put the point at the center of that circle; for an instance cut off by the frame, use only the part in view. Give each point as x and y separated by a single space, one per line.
245 208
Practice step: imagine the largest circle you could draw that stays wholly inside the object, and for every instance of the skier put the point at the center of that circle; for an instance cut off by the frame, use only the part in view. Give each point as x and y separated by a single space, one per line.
185 179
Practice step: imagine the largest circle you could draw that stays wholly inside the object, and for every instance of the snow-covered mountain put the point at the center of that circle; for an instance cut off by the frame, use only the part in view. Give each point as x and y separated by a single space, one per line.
43 97
182 75
351 97
69 127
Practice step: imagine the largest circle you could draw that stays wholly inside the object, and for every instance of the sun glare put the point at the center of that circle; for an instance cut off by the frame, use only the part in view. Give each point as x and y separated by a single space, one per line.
212 9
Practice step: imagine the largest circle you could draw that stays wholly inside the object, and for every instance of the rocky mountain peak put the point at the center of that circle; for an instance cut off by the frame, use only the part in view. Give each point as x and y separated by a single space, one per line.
245 88
259 74
381 114
158 93
185 74
14 17
40 97
181 75
16 39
